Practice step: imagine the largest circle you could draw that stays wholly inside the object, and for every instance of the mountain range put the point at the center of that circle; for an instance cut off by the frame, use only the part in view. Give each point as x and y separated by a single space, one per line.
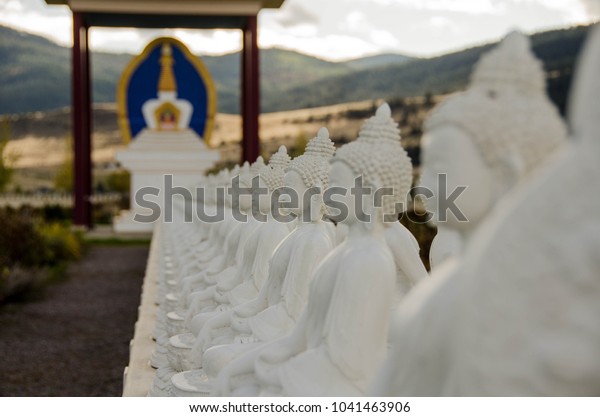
35 74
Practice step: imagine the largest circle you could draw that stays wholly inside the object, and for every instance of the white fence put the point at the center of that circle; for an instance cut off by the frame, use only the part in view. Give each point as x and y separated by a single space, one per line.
15 200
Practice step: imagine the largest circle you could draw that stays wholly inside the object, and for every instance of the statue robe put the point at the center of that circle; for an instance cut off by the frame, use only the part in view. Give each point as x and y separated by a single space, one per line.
344 327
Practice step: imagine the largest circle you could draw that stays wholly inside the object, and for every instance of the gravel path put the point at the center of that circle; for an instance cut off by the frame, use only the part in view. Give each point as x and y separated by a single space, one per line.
75 340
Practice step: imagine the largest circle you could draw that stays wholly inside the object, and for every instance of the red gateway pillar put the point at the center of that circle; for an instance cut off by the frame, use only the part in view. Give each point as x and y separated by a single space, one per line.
250 96
81 123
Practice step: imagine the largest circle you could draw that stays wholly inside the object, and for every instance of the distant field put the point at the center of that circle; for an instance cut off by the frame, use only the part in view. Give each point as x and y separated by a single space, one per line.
40 138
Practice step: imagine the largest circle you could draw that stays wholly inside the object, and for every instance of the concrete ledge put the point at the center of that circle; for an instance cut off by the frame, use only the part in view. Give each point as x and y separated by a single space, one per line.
108 233
139 375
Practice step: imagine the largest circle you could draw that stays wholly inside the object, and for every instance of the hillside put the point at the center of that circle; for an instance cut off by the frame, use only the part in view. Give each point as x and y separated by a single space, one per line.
34 73
380 60
558 50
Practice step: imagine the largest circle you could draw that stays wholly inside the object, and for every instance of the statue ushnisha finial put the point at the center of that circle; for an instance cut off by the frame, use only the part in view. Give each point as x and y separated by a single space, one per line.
511 65
256 166
505 110
313 165
280 159
273 173
378 156
384 112
380 127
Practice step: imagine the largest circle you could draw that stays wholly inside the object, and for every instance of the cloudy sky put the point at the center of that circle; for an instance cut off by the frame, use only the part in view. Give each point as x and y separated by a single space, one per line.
335 29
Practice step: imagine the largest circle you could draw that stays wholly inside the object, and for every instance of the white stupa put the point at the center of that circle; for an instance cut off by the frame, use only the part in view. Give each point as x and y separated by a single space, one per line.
167 146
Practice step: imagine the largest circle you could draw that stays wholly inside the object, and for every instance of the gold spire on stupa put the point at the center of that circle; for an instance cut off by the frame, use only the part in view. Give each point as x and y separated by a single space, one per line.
166 82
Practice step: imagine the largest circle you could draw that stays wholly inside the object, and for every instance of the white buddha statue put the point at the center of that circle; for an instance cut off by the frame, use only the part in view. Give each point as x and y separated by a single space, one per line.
171 314
211 235
214 195
282 297
219 251
339 341
239 255
405 249
446 244
257 253
281 301
184 300
167 112
268 236
497 132
205 236
231 264
520 316
213 255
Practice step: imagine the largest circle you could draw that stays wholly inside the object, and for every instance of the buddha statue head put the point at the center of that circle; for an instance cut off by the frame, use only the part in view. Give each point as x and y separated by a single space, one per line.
256 166
310 171
242 174
252 182
223 181
271 177
208 185
234 171
490 136
378 159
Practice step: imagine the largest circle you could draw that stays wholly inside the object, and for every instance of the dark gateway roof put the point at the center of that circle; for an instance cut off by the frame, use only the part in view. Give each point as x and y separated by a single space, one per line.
193 14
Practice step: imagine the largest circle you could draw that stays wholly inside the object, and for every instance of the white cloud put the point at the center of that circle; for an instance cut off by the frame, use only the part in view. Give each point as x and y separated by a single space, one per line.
11 6
57 28
115 40
217 41
443 23
459 6
209 42
592 8
295 14
334 29
573 11
303 31
384 39
464 6
355 20
332 46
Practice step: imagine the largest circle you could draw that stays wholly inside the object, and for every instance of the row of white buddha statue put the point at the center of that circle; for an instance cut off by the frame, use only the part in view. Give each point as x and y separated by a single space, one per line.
313 308
519 313
249 288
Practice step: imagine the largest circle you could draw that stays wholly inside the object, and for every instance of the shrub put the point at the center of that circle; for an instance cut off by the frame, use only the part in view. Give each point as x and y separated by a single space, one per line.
118 181
31 249
56 213
61 244
20 242
30 242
